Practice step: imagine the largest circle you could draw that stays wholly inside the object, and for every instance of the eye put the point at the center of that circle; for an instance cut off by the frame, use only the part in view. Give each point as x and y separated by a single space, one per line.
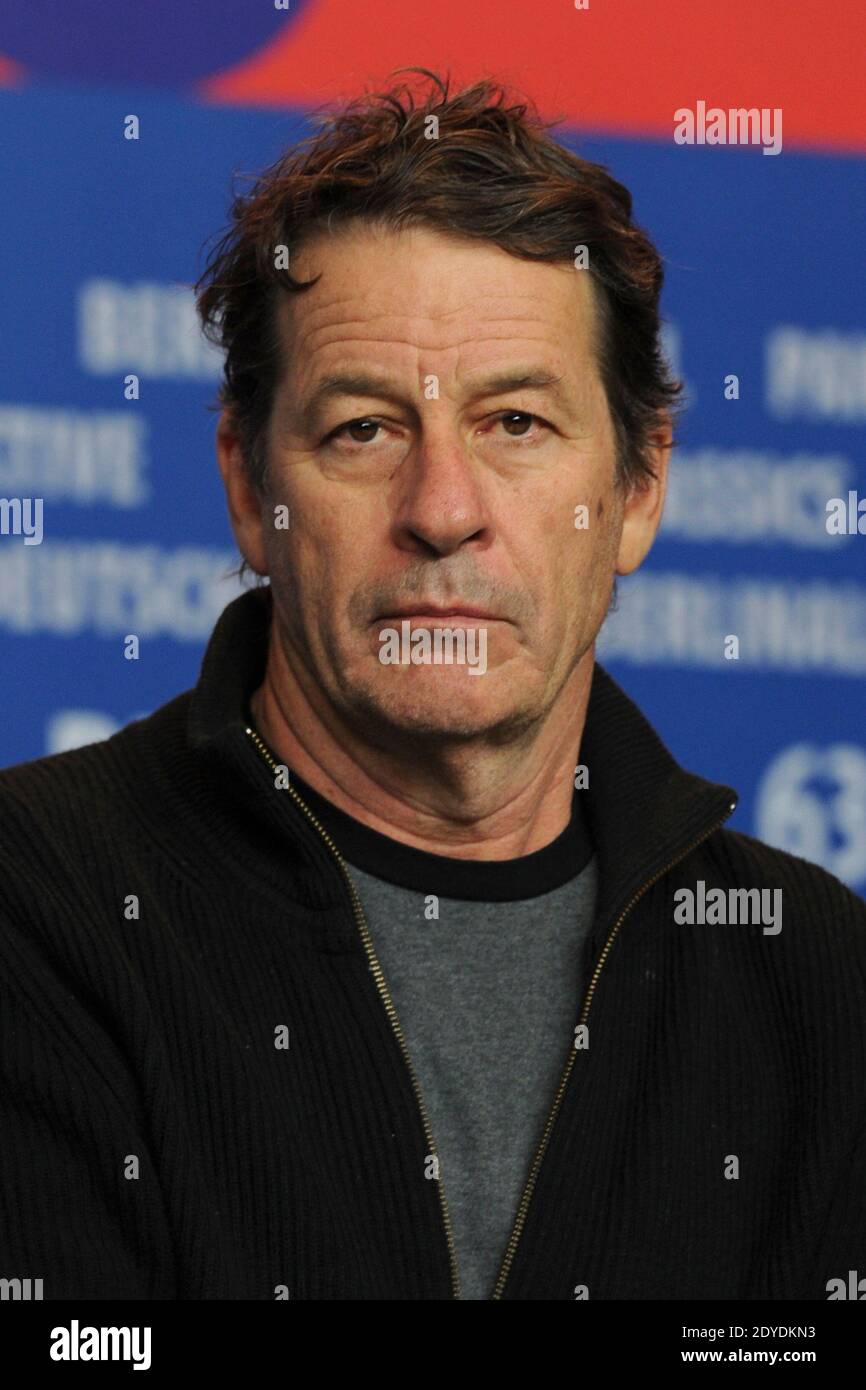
520 419
364 422
364 429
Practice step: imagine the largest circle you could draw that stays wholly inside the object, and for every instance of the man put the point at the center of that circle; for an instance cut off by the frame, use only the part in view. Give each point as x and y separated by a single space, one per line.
365 970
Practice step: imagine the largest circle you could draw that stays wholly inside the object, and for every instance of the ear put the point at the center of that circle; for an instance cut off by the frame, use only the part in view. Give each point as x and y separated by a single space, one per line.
244 502
642 512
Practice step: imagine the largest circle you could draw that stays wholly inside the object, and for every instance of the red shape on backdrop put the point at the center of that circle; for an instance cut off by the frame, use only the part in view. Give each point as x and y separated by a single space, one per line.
620 66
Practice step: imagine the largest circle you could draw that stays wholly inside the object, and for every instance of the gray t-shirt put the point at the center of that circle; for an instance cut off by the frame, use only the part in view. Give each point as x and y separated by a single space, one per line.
488 993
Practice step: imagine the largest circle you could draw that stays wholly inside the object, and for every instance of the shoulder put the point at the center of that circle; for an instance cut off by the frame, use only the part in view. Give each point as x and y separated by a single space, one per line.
824 921
815 887
65 807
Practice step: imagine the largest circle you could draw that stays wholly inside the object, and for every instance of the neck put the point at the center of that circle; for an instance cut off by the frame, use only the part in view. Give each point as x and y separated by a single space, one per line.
467 801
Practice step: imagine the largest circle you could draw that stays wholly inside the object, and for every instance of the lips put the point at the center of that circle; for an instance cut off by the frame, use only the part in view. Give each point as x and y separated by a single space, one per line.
421 610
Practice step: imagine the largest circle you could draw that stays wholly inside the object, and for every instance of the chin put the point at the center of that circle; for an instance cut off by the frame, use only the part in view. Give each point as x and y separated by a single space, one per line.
446 712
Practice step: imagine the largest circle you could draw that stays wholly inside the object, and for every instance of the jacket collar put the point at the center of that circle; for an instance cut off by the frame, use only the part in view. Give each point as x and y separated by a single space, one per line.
644 810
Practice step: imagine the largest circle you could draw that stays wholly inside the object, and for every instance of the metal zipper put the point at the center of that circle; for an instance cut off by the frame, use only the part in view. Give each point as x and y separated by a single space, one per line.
385 996
382 987
584 1014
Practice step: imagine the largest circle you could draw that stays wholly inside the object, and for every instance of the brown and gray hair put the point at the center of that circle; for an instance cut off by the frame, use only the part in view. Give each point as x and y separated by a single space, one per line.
493 174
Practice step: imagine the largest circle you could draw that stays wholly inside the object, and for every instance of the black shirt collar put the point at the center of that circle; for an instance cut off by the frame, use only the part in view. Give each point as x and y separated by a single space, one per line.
643 811
475 880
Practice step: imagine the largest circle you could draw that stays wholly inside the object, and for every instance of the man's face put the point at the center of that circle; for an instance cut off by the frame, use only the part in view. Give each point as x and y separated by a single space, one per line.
450 488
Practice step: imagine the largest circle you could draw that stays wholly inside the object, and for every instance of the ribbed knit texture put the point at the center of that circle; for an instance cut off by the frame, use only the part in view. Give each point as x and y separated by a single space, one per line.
261 1168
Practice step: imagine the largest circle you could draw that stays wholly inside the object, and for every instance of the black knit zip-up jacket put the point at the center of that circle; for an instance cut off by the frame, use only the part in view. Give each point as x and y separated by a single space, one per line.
204 1093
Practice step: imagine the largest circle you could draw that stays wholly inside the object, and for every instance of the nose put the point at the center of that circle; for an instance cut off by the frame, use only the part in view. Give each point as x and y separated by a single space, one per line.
441 504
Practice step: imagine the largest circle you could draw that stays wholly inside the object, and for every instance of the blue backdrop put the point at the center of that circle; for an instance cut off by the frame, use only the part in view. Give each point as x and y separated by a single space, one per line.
100 238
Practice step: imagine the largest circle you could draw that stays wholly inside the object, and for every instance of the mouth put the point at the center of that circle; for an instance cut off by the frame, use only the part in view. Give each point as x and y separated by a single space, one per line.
428 613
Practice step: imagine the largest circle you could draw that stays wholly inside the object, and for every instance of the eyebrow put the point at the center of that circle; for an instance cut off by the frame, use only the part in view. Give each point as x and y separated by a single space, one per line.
370 384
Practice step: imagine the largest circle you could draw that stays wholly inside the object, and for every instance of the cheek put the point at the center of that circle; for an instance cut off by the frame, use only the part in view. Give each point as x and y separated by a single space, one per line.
323 576
588 558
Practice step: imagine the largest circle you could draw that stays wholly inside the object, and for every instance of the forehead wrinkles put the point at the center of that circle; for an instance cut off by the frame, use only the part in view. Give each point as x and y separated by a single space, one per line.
431 325
459 348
